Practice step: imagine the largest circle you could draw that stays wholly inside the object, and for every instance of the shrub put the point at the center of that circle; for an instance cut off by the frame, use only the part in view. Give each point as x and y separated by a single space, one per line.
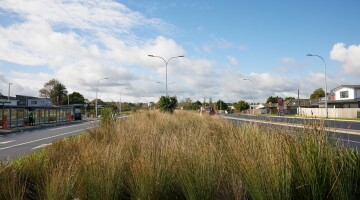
167 104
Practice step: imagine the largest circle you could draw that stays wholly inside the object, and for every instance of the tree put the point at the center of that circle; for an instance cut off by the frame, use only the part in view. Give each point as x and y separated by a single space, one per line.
288 98
242 105
48 87
185 103
317 94
76 98
59 94
167 104
126 106
113 105
220 105
54 90
193 106
272 99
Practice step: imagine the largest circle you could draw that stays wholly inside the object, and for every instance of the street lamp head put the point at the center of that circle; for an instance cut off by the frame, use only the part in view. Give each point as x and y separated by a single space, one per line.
309 54
181 56
151 55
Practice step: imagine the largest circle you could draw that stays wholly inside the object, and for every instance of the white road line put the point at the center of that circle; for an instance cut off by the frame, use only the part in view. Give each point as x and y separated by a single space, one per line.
41 146
336 130
16 145
63 127
345 140
7 142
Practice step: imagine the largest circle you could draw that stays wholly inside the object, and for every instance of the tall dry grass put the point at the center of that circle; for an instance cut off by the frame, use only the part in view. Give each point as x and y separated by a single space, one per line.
185 156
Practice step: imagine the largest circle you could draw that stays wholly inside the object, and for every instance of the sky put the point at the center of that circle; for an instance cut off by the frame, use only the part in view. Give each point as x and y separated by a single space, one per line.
233 50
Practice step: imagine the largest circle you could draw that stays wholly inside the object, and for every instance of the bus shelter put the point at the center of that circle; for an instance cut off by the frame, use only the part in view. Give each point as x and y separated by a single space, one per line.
15 116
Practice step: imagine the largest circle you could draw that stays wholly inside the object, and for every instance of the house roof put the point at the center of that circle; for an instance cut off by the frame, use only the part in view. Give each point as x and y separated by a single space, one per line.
348 86
303 102
296 102
267 105
30 97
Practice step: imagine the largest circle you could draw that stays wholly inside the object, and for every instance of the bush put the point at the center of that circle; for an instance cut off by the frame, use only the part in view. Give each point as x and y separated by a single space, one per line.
167 104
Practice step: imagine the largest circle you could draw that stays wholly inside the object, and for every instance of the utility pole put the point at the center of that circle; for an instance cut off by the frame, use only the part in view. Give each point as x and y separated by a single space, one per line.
298 102
9 92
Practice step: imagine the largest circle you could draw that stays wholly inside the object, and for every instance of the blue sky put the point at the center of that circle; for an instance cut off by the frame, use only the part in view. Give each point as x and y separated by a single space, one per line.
224 42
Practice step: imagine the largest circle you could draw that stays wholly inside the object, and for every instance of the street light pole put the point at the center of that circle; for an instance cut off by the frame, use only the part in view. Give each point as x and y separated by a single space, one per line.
96 106
245 79
165 85
9 92
166 64
326 104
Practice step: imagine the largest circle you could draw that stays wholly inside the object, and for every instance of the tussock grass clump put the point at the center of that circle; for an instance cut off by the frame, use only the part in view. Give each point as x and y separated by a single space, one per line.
185 156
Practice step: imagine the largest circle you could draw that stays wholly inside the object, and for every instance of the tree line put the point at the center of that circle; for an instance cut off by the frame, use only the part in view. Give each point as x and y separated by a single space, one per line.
57 92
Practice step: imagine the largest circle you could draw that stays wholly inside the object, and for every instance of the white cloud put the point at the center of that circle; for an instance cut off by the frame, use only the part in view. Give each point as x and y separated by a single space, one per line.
287 60
232 60
82 14
206 48
79 42
349 57
225 44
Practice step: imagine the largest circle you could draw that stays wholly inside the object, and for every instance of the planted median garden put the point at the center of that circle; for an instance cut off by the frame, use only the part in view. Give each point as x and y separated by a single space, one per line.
153 155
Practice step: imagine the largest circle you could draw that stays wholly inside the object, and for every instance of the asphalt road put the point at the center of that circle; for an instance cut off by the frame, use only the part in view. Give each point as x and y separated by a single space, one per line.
18 144
346 131
340 124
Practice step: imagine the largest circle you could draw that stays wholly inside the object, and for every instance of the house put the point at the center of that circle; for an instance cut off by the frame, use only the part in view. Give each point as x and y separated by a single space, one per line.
345 96
231 106
267 108
291 106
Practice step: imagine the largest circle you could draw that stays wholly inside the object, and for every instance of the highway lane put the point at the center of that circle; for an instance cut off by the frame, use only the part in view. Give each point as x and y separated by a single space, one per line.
349 134
333 123
18 144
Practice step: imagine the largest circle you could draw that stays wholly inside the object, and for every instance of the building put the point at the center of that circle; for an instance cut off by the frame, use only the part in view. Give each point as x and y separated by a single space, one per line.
291 106
28 101
345 96
7 101
267 108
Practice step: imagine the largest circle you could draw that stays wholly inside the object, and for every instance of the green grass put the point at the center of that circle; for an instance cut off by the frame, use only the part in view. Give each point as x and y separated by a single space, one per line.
185 156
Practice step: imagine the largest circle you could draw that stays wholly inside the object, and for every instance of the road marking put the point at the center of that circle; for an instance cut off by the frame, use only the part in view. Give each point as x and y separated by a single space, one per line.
336 130
7 142
41 146
345 140
63 127
16 145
